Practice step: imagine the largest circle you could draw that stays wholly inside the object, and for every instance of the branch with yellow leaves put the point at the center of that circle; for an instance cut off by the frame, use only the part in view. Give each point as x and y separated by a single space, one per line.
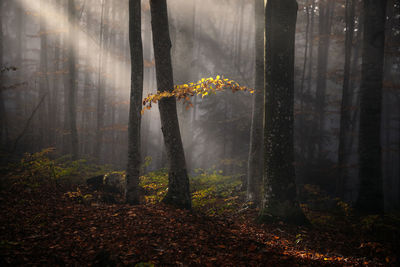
203 87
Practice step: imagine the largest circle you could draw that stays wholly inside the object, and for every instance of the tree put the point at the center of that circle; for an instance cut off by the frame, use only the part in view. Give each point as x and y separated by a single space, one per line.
326 10
20 23
98 145
136 48
178 181
279 200
370 197
71 143
55 88
44 80
255 162
88 87
345 113
3 118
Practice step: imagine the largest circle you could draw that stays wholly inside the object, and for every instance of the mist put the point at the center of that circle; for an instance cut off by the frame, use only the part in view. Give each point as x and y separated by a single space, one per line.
209 38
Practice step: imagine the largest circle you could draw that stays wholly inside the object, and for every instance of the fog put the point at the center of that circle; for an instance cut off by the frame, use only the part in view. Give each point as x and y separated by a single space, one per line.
209 38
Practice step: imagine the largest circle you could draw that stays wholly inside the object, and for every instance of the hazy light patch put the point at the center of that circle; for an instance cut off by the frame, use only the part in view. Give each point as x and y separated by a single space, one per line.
52 16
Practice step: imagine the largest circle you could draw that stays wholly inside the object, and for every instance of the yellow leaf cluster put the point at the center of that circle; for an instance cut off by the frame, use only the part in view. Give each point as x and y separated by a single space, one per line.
203 87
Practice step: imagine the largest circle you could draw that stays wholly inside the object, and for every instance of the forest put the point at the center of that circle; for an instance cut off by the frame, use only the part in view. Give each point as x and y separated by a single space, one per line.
199 133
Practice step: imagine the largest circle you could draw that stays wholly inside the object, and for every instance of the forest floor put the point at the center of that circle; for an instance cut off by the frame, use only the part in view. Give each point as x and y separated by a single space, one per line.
50 223
49 227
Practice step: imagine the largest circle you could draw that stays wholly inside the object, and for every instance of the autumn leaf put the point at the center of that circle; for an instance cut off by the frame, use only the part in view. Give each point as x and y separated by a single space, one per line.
203 87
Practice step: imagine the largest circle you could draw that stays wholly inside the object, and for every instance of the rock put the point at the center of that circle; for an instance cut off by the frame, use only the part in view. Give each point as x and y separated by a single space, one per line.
113 182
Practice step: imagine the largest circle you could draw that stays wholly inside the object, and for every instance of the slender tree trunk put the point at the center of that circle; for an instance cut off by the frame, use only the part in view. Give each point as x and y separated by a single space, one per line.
3 118
135 39
397 11
18 60
113 85
356 99
302 115
88 87
66 135
325 20
370 198
255 162
178 181
53 103
72 81
303 75
309 136
279 200
345 114
100 91
44 81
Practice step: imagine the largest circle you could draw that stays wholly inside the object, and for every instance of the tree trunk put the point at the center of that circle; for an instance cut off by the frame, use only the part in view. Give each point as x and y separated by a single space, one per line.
88 87
100 91
370 198
308 134
18 60
325 20
54 88
136 48
355 69
44 82
398 151
113 85
345 113
2 105
255 163
279 200
178 181
54 114
72 82
70 140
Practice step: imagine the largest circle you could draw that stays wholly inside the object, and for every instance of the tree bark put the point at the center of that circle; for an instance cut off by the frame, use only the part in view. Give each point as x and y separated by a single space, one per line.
308 134
345 112
255 161
100 90
370 197
134 155
325 20
301 126
70 140
178 181
87 88
44 82
279 200
2 105
18 60
72 82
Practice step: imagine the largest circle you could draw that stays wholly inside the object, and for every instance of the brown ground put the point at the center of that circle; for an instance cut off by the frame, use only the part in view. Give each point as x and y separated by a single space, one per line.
47 227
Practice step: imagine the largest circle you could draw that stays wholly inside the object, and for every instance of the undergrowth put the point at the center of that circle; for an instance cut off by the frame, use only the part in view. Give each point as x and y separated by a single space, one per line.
44 167
212 192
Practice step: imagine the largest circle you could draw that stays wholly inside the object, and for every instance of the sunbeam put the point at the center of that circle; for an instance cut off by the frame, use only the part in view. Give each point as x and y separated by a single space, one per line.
52 16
